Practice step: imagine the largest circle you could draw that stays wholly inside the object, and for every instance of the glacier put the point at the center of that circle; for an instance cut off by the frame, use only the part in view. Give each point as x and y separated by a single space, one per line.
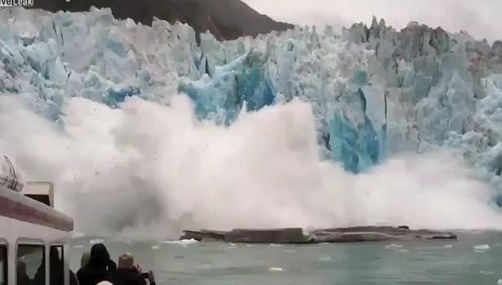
375 91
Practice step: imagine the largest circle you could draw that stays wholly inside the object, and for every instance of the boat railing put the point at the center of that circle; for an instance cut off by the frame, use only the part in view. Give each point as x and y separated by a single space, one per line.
8 177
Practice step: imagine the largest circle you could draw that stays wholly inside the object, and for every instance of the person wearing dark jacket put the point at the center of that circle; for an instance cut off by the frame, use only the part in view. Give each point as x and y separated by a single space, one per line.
56 269
22 276
99 268
73 278
85 259
128 274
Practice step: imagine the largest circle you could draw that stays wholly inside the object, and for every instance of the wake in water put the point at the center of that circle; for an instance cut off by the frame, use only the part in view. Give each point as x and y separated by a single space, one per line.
149 170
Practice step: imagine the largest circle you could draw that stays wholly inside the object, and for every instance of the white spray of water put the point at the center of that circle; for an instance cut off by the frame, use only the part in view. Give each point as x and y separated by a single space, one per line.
155 170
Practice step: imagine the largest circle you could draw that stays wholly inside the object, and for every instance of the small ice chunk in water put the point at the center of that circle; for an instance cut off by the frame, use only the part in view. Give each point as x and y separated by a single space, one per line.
326 258
481 248
95 241
448 246
276 269
181 242
499 282
393 246
188 241
156 246
229 246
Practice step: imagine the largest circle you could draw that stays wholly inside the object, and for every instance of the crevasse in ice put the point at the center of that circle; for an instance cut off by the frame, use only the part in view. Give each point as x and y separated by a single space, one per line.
375 91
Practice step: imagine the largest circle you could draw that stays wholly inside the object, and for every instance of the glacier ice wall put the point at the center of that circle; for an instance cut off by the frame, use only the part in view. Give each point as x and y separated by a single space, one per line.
374 91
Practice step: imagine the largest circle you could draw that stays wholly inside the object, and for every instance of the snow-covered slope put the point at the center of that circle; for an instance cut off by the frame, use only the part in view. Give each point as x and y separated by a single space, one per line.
375 92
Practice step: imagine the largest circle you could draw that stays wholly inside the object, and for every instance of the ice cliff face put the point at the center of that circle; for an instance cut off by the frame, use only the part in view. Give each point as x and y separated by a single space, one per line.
375 91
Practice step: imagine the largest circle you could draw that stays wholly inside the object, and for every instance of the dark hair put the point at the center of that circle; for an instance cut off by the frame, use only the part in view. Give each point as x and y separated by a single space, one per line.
99 256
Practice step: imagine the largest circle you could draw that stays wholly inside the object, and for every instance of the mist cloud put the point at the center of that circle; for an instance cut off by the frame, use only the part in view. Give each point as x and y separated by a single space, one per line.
147 169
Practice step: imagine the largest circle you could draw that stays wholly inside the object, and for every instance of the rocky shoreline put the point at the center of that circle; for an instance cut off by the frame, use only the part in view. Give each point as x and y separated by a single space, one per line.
332 235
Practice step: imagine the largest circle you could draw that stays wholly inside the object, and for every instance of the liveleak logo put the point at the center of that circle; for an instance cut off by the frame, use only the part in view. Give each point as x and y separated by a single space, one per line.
17 3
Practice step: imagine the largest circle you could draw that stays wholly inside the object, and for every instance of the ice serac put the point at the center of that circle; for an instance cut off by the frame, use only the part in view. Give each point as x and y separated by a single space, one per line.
224 94
438 86
374 91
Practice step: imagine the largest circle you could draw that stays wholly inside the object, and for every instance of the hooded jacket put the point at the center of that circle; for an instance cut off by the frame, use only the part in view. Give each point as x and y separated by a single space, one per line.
99 268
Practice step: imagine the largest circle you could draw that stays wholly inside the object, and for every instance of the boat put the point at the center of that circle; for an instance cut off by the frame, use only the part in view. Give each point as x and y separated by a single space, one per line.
34 236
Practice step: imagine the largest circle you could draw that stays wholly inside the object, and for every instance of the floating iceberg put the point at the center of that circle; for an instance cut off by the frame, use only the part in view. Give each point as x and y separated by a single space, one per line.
374 91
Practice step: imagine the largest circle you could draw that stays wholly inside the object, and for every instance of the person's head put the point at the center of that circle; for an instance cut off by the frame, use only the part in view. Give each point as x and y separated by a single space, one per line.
126 260
99 256
85 258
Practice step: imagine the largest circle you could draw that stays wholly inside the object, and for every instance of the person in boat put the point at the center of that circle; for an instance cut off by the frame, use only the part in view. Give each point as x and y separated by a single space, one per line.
129 274
22 275
56 271
73 278
99 268
85 259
